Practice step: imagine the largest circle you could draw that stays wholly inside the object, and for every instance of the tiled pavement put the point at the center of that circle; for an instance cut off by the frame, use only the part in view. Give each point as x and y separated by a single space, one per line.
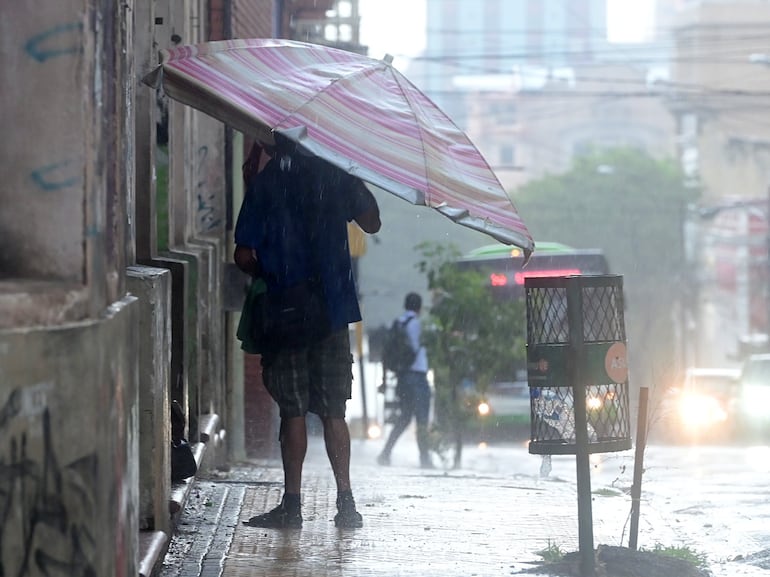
489 518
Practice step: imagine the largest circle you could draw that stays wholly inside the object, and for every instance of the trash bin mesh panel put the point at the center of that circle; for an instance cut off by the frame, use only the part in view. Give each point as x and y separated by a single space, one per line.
603 314
547 320
547 315
607 411
553 418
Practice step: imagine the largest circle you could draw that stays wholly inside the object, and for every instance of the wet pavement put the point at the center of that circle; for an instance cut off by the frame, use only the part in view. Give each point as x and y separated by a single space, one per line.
490 517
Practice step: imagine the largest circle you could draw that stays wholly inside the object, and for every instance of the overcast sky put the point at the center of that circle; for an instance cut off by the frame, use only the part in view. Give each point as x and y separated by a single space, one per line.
397 27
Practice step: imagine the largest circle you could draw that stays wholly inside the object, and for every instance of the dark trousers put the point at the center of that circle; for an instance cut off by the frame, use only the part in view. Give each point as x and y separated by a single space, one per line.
414 401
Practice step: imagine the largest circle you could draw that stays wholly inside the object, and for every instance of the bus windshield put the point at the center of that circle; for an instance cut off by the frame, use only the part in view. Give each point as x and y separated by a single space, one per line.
502 264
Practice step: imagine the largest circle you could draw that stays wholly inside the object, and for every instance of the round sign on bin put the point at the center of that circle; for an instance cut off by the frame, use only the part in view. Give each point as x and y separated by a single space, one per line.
616 364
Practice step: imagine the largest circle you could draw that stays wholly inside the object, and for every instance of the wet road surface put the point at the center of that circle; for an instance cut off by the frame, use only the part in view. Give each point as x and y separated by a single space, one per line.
491 517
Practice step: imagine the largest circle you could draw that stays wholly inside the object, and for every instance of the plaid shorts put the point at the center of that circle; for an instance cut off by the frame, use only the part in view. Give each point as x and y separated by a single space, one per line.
318 378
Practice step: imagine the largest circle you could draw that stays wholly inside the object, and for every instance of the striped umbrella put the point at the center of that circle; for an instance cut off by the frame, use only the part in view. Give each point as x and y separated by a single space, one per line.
355 112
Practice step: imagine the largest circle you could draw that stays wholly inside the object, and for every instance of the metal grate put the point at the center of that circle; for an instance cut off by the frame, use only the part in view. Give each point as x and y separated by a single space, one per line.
547 321
547 315
592 306
603 314
553 419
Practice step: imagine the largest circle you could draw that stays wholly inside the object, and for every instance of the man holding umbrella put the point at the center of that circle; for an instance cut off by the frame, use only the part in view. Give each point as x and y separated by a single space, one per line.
292 227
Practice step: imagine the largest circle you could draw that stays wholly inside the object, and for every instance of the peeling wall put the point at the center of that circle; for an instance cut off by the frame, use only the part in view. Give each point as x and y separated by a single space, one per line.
44 104
69 457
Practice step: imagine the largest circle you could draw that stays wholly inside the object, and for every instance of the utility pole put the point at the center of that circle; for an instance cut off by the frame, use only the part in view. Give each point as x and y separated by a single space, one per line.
767 273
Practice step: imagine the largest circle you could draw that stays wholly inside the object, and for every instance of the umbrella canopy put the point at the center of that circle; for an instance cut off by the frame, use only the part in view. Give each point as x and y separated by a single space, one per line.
358 113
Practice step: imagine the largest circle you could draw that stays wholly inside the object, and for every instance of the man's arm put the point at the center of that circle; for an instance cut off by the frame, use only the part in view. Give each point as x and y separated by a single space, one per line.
369 219
246 259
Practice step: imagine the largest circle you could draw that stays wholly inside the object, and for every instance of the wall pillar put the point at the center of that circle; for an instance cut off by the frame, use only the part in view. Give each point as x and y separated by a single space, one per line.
153 288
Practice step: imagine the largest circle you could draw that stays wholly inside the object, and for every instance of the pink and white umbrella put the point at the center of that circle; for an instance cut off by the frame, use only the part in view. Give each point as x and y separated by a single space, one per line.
355 112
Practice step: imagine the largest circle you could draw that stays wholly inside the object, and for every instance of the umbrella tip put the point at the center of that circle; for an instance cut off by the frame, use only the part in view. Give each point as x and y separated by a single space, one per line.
388 59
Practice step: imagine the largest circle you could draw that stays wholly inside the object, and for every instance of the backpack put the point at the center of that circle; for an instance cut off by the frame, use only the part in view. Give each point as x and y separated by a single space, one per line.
397 352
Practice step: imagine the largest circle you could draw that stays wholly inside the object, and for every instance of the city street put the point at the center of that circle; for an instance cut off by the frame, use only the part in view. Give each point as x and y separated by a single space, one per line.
490 517
712 499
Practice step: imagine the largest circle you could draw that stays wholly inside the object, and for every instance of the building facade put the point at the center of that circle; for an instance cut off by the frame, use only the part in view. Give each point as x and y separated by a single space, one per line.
117 217
720 83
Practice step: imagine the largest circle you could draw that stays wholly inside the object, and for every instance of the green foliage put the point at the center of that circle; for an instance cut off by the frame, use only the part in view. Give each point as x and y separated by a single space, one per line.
161 200
469 335
552 553
693 557
606 492
631 206
622 201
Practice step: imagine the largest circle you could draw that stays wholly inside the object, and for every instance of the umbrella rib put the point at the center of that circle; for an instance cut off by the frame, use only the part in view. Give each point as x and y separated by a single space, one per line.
420 130
407 97
376 64
334 81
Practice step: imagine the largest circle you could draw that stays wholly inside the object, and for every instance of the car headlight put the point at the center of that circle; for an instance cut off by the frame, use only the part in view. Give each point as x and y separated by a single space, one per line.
755 401
699 410
594 403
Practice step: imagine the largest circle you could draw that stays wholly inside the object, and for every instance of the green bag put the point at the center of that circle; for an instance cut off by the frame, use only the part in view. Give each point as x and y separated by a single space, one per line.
245 330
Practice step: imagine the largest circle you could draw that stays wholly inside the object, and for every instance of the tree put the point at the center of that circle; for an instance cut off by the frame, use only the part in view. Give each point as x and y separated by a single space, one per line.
472 338
631 206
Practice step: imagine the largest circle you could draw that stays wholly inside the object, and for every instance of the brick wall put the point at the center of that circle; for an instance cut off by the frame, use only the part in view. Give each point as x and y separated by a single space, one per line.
216 26
252 18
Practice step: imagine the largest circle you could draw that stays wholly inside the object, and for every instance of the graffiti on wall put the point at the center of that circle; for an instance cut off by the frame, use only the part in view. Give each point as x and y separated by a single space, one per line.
54 176
47 509
62 40
207 210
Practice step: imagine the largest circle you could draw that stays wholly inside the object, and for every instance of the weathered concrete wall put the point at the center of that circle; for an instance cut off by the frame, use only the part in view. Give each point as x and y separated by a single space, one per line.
152 286
69 413
69 458
47 81
78 198
211 318
65 159
196 232
209 206
209 220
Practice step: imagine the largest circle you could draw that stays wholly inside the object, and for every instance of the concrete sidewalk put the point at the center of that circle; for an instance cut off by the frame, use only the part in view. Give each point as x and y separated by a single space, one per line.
490 517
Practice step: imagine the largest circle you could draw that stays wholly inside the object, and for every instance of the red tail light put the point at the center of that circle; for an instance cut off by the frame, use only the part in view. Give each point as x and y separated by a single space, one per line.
520 276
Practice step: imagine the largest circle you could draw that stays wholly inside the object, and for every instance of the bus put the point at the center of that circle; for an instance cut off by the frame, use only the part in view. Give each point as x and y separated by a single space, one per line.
504 268
507 403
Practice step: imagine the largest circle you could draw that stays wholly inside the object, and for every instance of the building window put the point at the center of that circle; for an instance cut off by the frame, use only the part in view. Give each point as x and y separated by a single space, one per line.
507 155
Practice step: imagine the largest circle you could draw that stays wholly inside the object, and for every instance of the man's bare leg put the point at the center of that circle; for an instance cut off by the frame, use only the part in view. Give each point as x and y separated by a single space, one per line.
337 440
293 439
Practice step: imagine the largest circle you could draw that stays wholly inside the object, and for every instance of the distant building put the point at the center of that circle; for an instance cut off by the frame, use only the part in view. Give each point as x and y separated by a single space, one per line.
470 37
720 87
536 82
530 130
720 82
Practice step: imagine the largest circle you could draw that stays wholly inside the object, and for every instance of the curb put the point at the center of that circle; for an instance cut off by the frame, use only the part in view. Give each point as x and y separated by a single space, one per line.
153 545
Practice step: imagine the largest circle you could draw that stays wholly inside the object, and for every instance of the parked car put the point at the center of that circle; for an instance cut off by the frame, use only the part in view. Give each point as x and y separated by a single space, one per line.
754 402
501 412
702 407
509 399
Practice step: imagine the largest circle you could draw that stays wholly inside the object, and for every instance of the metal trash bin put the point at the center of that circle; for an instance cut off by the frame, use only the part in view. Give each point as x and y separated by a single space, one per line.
576 364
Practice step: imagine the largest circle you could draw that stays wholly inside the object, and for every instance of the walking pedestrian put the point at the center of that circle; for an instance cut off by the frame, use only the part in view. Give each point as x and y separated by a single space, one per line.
412 388
292 228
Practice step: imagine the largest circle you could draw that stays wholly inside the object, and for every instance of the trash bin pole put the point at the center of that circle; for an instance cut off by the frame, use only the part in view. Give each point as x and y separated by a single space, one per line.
583 467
